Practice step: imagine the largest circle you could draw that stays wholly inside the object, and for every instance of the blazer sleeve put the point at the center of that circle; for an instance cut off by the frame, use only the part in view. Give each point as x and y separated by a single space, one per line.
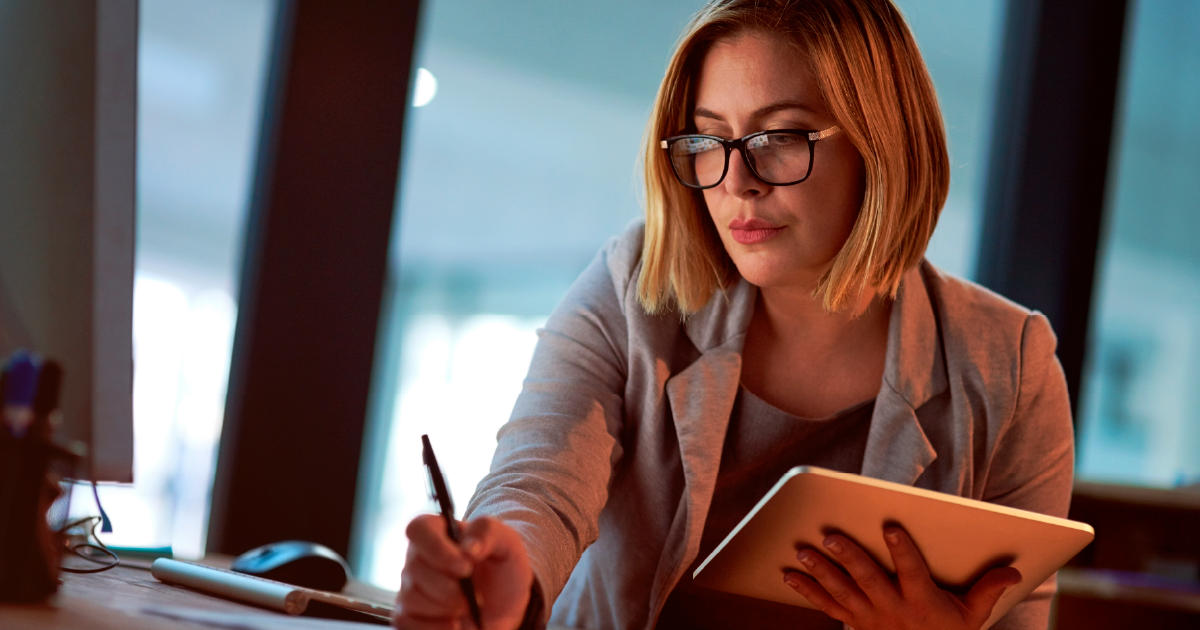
550 473
1033 460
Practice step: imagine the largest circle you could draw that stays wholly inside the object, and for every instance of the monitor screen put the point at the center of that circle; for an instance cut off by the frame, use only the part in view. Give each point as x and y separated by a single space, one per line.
68 117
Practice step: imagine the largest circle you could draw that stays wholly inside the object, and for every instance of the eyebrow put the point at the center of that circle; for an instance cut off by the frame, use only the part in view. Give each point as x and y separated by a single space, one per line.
701 112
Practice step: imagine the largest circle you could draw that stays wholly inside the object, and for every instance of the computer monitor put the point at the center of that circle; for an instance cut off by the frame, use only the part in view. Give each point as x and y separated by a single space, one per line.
68 119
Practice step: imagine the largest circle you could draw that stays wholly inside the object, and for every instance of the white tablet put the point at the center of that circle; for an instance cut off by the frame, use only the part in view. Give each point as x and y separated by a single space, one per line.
960 538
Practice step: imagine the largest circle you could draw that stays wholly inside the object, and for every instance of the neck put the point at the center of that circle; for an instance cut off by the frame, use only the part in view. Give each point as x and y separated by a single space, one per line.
810 362
790 314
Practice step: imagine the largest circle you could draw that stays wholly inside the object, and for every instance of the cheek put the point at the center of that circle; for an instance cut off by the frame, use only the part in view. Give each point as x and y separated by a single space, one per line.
712 203
720 209
843 190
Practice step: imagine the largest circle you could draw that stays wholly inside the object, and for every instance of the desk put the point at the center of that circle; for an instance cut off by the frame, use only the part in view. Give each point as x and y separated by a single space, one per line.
112 600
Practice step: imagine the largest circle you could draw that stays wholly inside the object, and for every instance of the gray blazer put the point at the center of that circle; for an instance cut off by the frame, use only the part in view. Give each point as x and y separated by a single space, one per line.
607 465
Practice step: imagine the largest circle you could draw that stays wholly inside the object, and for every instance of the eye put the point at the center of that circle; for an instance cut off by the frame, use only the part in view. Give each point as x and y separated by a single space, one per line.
774 140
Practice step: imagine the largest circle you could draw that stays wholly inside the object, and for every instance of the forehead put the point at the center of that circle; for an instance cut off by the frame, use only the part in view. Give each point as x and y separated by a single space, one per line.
745 73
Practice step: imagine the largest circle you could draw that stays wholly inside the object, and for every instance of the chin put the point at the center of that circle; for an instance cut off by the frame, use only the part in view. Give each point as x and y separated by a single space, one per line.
762 271
766 276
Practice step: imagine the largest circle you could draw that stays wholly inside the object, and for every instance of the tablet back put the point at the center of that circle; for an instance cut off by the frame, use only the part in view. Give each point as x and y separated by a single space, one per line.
960 538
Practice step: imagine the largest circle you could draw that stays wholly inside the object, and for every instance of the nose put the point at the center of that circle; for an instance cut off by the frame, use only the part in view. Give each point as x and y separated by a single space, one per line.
739 181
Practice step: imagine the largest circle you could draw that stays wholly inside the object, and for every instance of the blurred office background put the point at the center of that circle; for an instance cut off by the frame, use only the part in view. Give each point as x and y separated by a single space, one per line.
1140 411
553 97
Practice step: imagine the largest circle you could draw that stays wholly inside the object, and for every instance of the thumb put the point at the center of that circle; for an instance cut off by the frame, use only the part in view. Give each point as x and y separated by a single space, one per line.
982 597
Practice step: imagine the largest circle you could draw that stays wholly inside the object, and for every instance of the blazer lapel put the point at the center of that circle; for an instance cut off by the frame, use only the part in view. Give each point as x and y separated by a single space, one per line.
701 398
897 447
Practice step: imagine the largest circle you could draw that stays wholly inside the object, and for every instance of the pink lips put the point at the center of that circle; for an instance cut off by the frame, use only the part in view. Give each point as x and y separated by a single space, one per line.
752 231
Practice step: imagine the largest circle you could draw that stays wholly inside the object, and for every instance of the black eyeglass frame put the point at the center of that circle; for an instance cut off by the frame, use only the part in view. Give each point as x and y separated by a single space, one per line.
811 135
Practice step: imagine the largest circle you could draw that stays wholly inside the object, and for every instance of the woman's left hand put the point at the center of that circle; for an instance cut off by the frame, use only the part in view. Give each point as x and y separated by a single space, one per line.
870 599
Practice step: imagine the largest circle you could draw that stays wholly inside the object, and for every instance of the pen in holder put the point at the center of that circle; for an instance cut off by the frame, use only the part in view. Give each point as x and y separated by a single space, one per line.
32 468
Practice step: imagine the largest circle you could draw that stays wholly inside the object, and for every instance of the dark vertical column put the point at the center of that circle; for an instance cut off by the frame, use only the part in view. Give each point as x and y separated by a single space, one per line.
1049 163
313 276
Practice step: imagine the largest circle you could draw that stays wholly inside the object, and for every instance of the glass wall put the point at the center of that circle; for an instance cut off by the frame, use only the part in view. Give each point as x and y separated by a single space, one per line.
201 73
961 42
553 97
1140 411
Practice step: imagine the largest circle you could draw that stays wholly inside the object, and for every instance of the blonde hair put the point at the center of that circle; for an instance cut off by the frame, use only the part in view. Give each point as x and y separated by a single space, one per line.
875 86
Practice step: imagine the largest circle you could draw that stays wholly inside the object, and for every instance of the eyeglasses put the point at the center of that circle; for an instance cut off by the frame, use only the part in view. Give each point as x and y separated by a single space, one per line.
779 157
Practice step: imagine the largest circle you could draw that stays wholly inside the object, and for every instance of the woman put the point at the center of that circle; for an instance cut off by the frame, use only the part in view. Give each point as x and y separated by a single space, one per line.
774 310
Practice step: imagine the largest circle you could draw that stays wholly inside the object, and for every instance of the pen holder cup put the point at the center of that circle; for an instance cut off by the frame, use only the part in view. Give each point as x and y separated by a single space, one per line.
34 502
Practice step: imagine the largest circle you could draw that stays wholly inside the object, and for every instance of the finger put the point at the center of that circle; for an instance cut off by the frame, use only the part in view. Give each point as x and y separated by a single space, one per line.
428 539
982 597
485 538
911 570
503 564
867 574
837 584
428 592
816 595
479 538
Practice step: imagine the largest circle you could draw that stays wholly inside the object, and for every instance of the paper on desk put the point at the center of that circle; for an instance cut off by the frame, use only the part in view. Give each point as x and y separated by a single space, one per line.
252 620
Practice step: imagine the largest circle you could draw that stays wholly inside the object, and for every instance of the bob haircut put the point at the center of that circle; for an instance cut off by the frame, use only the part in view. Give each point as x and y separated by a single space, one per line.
876 87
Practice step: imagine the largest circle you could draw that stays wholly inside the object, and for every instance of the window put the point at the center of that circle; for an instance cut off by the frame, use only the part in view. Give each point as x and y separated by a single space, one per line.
960 42
201 72
1139 420
489 239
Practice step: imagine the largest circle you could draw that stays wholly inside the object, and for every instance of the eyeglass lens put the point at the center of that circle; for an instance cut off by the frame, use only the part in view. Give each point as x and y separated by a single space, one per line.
776 158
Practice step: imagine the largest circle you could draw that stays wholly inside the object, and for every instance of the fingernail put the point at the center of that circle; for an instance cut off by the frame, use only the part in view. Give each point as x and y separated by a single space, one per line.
892 537
833 545
806 559
472 546
791 580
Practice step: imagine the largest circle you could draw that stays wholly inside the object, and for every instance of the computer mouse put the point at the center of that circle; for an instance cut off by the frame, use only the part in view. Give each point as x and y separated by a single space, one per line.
296 562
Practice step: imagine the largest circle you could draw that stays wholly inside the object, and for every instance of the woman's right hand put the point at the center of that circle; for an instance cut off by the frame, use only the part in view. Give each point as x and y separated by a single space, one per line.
491 554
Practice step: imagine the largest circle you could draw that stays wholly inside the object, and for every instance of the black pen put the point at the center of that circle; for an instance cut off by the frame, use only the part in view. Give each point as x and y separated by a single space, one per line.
441 494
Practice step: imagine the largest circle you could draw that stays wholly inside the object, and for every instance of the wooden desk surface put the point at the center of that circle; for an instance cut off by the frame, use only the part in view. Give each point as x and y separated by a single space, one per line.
111 601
